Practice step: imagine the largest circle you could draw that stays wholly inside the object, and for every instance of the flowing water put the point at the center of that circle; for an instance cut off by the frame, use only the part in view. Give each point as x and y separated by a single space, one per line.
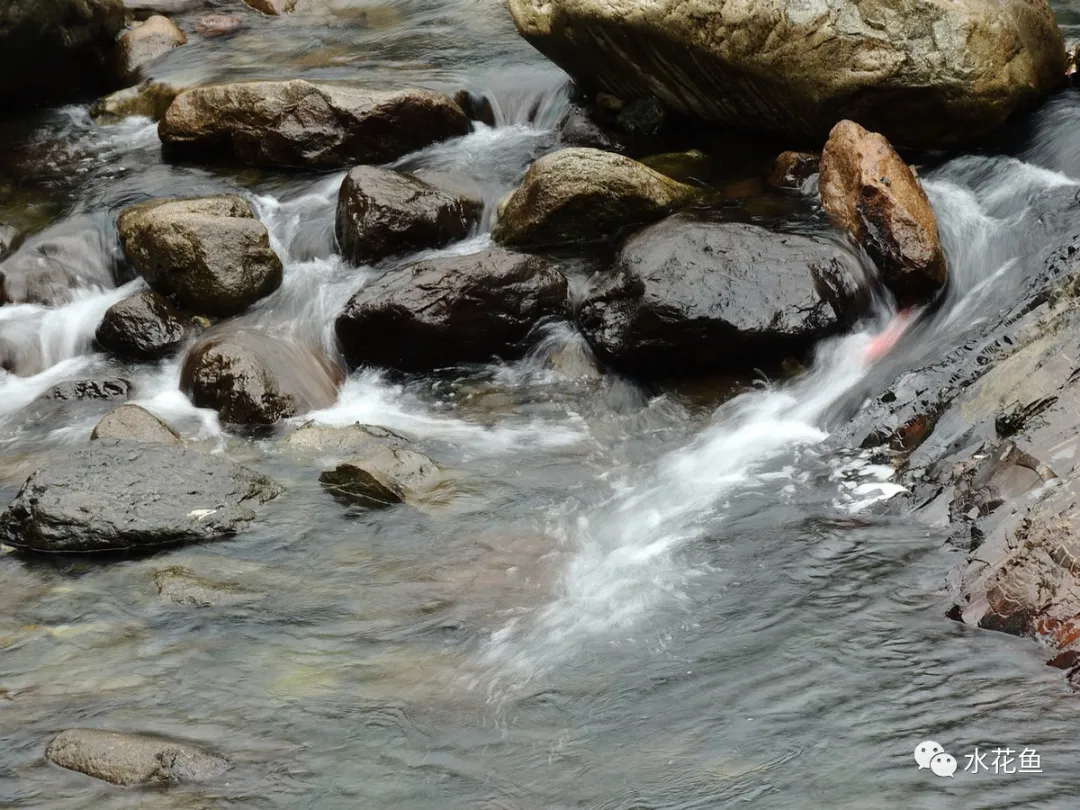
633 599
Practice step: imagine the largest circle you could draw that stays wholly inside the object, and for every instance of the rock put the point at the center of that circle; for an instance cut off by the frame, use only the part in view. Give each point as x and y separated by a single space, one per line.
682 166
182 586
584 195
924 75
123 496
133 759
690 296
49 267
9 234
77 390
150 100
867 190
576 127
133 423
53 49
383 478
273 7
352 440
143 327
253 378
793 169
382 212
296 124
142 9
476 107
208 254
147 41
446 311
218 25
642 116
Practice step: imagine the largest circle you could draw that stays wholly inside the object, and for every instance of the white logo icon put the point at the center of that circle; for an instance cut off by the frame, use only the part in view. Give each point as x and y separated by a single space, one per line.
943 765
926 752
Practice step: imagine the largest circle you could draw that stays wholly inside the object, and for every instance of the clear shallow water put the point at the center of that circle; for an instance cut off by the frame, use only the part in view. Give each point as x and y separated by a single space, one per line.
632 600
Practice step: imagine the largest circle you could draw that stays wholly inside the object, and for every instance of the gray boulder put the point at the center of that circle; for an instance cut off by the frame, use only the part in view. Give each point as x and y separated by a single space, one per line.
133 759
384 477
143 327
133 423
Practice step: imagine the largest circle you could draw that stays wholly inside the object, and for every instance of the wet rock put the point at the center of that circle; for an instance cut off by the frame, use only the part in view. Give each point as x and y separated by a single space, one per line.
868 191
49 267
446 311
182 586
150 99
143 327
576 127
122 496
147 41
142 9
383 478
8 235
77 390
273 7
251 377
476 107
798 68
53 49
682 166
209 254
133 759
297 124
793 169
133 423
691 296
351 440
642 116
584 195
382 212
218 25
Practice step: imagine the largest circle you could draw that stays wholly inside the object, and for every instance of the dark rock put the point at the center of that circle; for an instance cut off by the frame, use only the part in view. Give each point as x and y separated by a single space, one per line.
385 477
144 327
133 423
382 212
142 9
209 254
122 496
218 25
253 378
690 296
692 165
133 759
147 41
445 311
576 127
182 586
296 124
642 116
793 169
476 107
150 99
112 389
50 266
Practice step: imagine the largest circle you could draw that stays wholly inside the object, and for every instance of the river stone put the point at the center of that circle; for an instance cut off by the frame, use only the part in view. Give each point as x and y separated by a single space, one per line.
273 7
691 296
385 477
51 49
382 212
142 9
182 586
923 73
133 423
133 759
150 99
49 268
792 169
147 41
867 190
351 440
218 25
122 496
456 309
584 195
251 377
143 327
78 390
208 254
297 124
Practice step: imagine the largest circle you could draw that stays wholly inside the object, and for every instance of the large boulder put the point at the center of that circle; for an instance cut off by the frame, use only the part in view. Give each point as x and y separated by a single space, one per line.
133 759
133 423
251 377
868 191
52 267
53 48
445 311
210 255
924 73
143 327
147 41
124 496
687 296
297 124
584 195
382 212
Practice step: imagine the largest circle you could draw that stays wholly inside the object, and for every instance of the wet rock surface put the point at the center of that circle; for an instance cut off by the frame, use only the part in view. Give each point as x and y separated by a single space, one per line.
793 169
581 195
273 7
143 327
133 759
297 124
209 255
446 311
126 496
150 99
133 423
692 295
382 212
351 440
183 586
251 377
146 42
75 390
50 266
218 25
384 477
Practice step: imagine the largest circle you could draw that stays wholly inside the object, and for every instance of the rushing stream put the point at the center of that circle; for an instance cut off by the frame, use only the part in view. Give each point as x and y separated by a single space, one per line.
634 599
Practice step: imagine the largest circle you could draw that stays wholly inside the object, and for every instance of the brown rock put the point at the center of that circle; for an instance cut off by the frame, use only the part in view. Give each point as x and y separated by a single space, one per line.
867 190
218 25
150 99
273 7
133 423
150 40
132 759
792 169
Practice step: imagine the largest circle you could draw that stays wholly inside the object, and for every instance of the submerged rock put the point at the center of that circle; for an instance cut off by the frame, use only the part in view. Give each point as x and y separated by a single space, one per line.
133 759
74 390
297 124
385 477
867 190
182 586
793 169
584 195
147 41
218 25
124 496
209 254
251 377
692 296
351 440
143 327
133 423
923 74
150 99
382 212
51 266
273 7
445 311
